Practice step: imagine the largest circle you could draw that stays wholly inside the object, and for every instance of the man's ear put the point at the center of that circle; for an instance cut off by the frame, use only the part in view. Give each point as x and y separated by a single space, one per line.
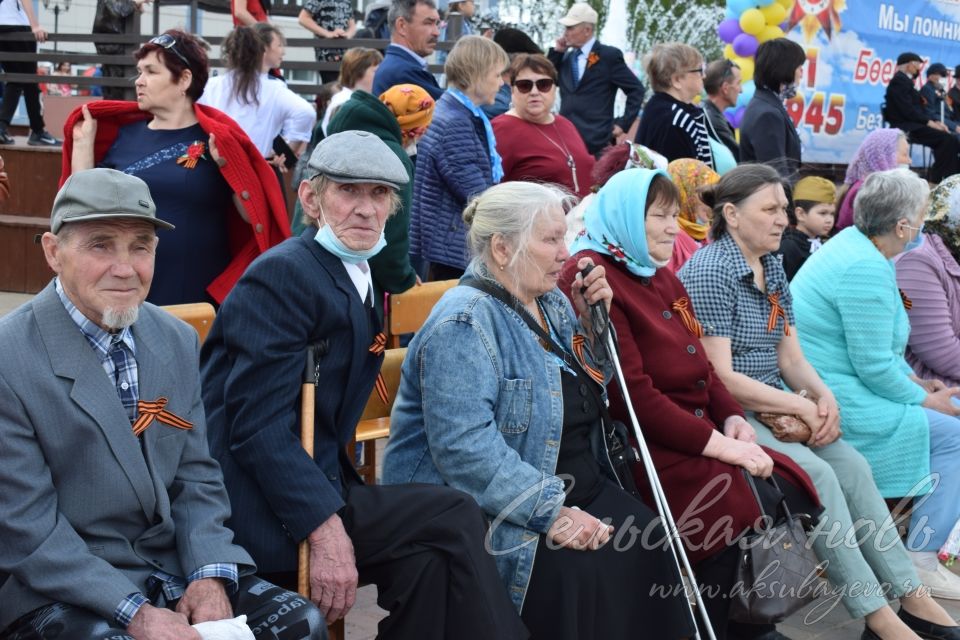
309 199
51 250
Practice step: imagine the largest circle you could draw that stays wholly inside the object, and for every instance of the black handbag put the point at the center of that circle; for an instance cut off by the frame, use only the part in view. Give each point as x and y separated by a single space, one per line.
778 574
621 455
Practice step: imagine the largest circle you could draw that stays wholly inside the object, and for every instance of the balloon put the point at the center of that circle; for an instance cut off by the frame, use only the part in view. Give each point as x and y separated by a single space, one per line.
765 3
729 29
738 117
746 68
786 4
745 45
748 89
729 13
752 21
774 13
769 33
729 53
739 6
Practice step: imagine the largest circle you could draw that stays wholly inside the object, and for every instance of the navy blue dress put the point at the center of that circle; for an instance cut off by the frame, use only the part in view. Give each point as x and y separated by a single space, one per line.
197 201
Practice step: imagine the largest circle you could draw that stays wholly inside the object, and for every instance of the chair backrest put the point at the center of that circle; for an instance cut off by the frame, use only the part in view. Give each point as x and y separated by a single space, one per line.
198 315
390 370
409 310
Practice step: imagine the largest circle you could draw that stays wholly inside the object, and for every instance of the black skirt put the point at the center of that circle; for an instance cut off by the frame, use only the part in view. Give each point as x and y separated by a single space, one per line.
622 590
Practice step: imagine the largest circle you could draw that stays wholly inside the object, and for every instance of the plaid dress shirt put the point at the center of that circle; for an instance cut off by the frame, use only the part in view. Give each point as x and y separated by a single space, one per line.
729 304
123 370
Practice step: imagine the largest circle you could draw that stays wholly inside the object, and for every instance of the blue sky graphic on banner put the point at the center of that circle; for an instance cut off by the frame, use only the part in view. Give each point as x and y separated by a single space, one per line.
848 68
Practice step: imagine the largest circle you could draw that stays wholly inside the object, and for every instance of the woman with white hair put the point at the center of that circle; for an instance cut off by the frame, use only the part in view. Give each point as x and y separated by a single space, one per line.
853 327
501 398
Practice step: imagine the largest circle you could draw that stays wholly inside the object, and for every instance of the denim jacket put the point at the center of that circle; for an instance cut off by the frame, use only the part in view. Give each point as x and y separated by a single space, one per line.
480 409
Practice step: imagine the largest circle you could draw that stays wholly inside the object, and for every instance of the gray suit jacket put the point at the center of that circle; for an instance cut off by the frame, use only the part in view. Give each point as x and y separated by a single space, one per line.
86 513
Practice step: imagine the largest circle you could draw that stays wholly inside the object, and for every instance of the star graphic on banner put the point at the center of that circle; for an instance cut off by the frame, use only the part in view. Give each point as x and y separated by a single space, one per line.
813 15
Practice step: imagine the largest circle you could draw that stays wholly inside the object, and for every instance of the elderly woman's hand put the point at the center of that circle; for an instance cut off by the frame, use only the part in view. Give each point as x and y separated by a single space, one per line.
576 529
942 401
738 428
829 430
748 455
590 290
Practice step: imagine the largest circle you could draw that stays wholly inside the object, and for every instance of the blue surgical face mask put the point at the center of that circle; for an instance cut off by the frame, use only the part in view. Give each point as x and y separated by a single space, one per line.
917 241
329 241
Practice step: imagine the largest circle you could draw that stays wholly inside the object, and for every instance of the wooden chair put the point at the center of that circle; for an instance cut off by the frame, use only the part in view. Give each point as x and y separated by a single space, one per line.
375 421
408 311
198 315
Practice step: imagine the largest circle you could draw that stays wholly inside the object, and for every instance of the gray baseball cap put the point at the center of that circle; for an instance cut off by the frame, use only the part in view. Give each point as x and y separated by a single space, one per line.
102 194
357 156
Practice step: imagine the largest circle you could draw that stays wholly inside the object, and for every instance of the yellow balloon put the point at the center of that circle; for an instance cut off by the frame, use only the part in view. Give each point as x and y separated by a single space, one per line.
728 52
774 13
752 21
770 32
786 4
746 68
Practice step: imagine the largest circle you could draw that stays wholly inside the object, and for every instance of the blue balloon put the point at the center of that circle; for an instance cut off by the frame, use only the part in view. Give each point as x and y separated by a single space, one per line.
739 6
749 88
730 13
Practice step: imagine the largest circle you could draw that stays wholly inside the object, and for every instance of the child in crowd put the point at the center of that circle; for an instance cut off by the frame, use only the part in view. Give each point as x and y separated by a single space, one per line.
814 211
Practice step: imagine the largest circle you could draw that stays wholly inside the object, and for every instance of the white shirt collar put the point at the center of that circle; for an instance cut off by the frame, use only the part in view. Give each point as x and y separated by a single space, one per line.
417 56
588 46
361 279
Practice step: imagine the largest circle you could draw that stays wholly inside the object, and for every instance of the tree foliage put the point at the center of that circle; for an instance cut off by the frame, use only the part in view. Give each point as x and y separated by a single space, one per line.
691 21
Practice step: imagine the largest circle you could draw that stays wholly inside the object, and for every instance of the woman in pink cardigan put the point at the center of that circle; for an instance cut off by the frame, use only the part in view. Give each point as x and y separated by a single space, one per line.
929 278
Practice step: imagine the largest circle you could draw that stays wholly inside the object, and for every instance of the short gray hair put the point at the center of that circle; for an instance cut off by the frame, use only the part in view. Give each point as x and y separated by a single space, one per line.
667 60
887 197
510 209
404 9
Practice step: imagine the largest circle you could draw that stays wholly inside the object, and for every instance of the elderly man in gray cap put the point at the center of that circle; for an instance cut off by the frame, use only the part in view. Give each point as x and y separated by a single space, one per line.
422 545
111 508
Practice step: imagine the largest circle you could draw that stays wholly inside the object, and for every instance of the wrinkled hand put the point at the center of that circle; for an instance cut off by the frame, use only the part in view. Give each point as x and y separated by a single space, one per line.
618 134
333 569
576 529
829 429
215 153
738 428
560 45
339 33
151 623
39 33
205 600
748 455
597 289
942 401
939 126
85 130
280 162
930 386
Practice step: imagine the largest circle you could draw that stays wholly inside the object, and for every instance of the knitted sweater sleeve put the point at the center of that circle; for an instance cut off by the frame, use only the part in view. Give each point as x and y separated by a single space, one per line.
867 315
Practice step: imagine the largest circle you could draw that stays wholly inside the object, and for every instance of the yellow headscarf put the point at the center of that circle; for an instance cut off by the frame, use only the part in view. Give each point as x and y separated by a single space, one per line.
412 106
689 175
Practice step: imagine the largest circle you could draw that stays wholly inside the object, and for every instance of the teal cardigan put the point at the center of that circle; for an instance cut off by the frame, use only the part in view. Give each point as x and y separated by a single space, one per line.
853 330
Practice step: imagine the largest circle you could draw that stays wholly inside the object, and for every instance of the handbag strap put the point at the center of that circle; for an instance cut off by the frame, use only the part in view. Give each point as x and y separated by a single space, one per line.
568 359
782 504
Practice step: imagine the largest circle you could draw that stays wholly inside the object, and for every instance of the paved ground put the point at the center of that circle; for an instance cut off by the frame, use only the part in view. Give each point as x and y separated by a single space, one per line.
361 624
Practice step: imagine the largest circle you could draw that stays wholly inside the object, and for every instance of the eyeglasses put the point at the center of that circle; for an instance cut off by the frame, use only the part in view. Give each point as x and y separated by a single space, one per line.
526 86
169 43
702 70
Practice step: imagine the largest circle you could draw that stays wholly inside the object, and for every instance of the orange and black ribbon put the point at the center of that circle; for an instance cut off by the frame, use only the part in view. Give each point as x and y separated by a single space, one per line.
377 349
907 302
776 311
578 342
150 411
681 307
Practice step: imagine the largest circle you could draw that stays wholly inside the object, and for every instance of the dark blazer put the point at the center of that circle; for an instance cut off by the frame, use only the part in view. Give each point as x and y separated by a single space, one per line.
252 364
399 67
89 510
904 105
589 104
767 135
722 128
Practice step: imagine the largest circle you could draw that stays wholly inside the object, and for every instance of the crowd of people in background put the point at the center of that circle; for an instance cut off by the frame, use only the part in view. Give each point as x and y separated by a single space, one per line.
770 324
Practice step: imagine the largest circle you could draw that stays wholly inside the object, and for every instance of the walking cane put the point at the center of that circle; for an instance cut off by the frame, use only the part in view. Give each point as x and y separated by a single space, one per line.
308 390
605 339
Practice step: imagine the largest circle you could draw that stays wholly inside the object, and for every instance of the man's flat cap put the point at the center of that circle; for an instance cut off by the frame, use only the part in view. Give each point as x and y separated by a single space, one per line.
357 156
103 194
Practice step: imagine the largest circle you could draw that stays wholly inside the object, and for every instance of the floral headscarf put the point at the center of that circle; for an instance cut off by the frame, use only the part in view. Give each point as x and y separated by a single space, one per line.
943 217
877 152
413 108
615 222
689 175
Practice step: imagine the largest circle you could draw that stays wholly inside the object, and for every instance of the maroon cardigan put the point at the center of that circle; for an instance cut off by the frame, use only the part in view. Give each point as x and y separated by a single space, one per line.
670 381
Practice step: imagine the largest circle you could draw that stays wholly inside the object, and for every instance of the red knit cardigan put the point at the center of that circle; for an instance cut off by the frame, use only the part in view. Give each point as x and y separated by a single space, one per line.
247 173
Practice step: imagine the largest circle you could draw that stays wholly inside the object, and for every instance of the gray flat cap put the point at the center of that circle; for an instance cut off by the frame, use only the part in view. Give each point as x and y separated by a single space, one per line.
102 194
357 156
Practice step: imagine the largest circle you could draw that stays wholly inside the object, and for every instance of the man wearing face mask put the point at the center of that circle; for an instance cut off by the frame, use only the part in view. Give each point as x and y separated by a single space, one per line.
904 110
933 93
421 545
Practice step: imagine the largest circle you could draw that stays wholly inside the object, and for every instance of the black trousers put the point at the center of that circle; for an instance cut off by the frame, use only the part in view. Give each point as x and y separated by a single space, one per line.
272 613
437 271
13 90
423 546
946 151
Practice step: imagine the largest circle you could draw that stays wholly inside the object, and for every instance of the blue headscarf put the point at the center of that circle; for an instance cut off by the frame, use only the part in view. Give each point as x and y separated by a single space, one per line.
496 163
615 222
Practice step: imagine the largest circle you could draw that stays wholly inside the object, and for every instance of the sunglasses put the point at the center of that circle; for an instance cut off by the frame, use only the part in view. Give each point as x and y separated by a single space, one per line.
526 86
168 42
